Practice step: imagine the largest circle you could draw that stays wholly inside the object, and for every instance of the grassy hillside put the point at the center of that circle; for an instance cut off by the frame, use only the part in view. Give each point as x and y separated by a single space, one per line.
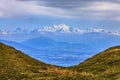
103 66
14 65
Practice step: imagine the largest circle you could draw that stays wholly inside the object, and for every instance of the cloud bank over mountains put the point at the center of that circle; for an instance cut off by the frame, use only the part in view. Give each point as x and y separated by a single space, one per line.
61 28
84 9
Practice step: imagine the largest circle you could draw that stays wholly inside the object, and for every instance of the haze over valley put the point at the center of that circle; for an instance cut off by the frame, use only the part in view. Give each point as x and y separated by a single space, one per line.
60 44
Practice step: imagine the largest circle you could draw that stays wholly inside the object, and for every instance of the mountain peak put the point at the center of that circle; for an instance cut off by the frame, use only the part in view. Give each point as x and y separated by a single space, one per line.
55 28
62 27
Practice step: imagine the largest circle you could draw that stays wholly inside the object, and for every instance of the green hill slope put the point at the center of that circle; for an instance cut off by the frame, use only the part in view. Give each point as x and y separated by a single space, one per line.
103 66
14 65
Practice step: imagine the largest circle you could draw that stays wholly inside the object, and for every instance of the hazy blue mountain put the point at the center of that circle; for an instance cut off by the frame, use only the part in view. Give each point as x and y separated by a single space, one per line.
41 41
45 42
92 39
59 53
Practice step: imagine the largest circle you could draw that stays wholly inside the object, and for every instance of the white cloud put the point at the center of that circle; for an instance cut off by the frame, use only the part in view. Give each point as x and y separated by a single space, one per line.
101 10
90 10
11 8
19 8
102 6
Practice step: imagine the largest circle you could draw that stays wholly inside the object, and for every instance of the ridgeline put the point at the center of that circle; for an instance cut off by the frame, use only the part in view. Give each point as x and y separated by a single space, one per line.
15 65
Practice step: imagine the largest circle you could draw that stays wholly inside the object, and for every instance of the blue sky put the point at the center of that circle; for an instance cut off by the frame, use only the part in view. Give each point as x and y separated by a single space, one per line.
75 13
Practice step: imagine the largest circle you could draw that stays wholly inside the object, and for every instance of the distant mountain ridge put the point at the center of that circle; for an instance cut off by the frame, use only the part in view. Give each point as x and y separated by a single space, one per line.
61 28
43 41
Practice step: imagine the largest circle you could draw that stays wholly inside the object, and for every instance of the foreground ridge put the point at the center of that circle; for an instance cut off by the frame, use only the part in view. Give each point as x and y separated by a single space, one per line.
15 65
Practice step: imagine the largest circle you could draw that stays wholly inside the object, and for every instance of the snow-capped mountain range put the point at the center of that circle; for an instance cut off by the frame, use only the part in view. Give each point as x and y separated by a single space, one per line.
61 28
